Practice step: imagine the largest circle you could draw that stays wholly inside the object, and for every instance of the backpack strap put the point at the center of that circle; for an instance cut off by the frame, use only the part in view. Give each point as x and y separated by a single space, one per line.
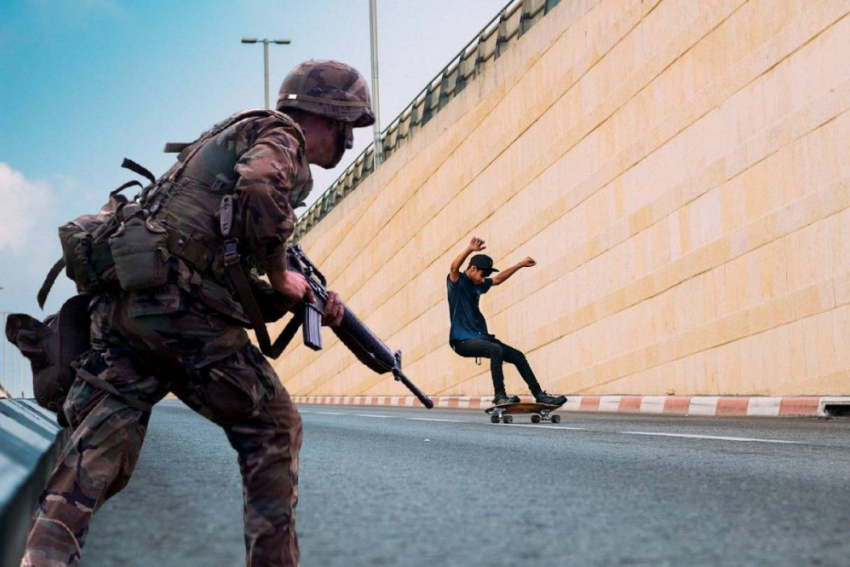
114 192
136 168
49 281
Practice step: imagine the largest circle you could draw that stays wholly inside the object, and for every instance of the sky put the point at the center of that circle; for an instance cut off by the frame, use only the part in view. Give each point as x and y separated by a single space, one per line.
85 83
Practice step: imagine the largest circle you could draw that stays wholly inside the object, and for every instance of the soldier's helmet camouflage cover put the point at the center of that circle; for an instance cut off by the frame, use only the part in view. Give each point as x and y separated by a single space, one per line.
328 88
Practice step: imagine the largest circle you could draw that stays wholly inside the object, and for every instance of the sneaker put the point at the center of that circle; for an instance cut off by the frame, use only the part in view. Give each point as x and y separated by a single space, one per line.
505 399
546 398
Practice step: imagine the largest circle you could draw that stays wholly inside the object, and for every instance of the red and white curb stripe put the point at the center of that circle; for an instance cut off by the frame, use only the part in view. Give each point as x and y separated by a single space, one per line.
719 406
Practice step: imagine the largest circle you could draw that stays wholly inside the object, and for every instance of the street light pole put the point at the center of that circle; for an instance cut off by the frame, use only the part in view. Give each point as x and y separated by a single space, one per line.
265 42
5 376
11 392
373 28
266 68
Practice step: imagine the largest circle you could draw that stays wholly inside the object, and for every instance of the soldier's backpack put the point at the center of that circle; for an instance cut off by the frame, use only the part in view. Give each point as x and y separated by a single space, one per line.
118 247
88 245
121 246
51 346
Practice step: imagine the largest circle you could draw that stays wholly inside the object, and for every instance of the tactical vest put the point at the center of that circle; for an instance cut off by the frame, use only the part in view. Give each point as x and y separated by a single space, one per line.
194 203
189 200
128 245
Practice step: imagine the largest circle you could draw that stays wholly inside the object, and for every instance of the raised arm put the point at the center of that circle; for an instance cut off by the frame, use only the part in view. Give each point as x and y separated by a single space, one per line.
475 245
505 274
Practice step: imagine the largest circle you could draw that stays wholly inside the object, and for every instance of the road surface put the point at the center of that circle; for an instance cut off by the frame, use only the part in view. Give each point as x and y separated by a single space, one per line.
392 486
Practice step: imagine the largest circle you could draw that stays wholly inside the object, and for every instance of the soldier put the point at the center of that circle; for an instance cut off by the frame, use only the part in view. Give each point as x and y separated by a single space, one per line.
469 336
188 335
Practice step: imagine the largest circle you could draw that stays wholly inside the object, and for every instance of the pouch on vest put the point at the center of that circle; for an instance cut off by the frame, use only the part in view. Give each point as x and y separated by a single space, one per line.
86 261
51 346
85 247
140 251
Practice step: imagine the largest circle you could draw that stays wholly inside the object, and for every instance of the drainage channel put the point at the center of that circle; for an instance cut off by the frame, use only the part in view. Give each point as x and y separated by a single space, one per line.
837 409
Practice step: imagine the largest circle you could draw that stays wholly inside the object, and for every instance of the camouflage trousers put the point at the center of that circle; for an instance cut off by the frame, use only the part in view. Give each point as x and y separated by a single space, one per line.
144 347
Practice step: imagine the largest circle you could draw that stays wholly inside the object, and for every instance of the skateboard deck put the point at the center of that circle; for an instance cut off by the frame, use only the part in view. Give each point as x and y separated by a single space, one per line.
539 412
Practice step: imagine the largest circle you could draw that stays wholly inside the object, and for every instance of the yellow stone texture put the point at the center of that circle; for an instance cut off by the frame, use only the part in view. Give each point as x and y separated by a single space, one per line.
680 170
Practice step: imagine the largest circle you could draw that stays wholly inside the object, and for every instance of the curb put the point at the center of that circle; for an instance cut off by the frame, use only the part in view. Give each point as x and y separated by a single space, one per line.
715 406
30 442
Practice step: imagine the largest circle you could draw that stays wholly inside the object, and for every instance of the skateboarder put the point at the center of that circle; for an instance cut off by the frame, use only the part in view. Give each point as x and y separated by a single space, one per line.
469 336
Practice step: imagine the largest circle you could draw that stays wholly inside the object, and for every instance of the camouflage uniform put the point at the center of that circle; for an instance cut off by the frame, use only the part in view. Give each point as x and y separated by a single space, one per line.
192 332
188 335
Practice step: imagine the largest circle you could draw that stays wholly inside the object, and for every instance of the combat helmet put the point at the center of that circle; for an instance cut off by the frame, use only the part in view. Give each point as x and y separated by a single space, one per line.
328 88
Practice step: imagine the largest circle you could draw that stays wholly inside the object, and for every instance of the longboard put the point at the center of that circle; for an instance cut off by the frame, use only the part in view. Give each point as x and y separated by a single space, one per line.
539 412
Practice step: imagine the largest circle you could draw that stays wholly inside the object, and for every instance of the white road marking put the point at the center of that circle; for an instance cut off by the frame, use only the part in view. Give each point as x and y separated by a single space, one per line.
710 437
566 428
374 415
542 426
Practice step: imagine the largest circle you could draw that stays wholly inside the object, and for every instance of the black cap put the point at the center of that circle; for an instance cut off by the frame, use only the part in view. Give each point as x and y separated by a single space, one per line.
484 262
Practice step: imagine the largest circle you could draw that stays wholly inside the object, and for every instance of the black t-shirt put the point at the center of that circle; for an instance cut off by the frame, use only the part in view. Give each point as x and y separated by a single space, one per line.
466 318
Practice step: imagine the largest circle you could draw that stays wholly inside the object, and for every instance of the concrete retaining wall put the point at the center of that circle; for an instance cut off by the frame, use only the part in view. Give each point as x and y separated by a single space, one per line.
680 170
30 441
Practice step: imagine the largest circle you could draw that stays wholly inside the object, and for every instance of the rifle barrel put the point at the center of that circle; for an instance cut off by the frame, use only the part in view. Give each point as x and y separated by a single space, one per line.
352 332
425 400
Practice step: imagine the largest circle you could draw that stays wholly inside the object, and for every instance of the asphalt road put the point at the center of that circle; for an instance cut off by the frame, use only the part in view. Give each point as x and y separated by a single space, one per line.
384 486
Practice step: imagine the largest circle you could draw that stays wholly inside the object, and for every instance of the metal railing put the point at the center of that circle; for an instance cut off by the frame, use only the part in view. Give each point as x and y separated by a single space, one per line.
514 20
16 377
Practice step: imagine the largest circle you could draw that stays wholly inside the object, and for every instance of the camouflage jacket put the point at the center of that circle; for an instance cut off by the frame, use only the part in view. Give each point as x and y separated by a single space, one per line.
260 160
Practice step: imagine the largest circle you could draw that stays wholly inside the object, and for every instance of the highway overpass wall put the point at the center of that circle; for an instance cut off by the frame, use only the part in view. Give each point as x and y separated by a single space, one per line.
679 169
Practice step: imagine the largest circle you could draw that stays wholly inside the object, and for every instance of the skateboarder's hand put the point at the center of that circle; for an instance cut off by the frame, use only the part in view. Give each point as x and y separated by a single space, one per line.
476 245
334 310
528 262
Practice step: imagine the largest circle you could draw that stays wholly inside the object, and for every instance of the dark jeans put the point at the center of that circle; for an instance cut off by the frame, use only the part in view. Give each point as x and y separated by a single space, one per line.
497 352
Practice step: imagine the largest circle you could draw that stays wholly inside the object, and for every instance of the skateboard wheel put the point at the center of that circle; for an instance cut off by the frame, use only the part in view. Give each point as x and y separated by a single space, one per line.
508 419
556 419
535 419
494 419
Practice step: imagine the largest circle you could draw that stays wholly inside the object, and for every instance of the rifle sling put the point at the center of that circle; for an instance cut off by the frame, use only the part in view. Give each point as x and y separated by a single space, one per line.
288 333
252 309
233 267
249 304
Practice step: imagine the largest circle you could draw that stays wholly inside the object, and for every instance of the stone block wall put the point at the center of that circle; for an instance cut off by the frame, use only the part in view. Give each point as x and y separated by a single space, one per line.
680 170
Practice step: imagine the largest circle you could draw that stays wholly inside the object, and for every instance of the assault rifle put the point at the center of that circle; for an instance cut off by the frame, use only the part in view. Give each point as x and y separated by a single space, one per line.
359 339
